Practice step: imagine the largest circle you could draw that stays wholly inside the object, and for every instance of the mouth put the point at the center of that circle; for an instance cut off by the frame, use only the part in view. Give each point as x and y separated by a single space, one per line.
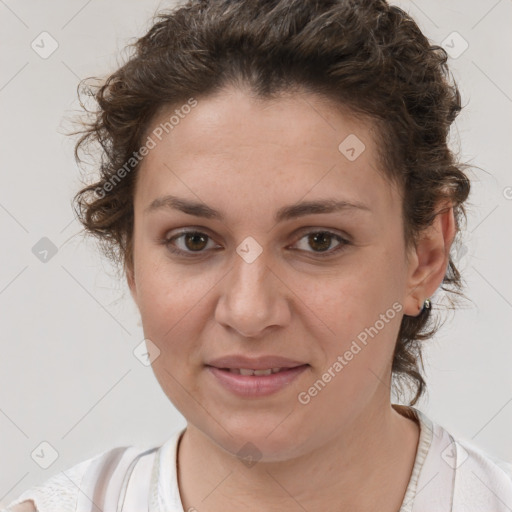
255 383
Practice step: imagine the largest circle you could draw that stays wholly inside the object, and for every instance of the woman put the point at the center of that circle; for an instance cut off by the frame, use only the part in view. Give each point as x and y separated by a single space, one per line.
276 183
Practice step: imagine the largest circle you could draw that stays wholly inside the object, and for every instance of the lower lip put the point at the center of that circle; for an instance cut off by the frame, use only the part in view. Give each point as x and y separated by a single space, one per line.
256 385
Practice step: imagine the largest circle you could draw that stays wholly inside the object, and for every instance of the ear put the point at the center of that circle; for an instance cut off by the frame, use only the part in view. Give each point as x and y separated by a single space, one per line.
130 279
429 259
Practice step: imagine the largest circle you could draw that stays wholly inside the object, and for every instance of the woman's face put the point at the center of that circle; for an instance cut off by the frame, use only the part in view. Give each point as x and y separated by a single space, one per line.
261 277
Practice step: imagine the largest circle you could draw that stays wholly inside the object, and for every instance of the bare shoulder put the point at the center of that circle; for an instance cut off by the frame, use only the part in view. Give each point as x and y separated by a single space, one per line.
25 506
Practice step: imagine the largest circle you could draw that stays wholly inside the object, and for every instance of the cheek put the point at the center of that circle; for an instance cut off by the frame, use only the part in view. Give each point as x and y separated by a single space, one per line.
349 299
167 298
175 308
361 312
363 318
172 316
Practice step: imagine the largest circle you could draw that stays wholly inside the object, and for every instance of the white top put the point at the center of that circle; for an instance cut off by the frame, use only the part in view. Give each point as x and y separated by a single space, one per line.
448 476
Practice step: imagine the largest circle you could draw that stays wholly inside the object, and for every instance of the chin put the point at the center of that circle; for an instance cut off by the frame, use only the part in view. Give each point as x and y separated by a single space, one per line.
270 440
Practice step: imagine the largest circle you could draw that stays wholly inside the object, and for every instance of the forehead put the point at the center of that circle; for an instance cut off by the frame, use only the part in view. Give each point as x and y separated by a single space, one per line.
236 114
234 145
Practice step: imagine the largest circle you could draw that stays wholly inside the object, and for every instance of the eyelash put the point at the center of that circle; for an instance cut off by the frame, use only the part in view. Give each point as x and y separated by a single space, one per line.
168 243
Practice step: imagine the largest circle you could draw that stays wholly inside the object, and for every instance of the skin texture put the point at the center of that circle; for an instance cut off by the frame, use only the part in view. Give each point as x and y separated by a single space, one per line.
347 448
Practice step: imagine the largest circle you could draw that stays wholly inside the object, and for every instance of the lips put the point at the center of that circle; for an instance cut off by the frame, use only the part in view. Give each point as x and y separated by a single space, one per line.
255 377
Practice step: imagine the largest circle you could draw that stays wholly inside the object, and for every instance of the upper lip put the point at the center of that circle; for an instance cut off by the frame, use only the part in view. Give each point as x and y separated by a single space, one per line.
256 363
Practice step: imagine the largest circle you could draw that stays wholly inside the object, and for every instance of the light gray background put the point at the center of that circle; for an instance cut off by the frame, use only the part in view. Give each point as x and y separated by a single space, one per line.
68 374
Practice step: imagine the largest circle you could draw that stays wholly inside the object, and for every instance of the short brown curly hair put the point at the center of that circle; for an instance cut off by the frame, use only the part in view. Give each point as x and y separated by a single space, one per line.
363 54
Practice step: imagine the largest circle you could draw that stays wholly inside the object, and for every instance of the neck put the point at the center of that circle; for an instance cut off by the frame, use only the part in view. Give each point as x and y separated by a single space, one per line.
369 461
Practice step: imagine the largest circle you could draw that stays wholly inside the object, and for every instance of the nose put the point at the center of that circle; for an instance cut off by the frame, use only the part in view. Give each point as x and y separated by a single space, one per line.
253 298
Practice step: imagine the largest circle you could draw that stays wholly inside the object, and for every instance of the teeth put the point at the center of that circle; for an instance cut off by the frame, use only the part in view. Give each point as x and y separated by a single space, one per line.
248 371
263 372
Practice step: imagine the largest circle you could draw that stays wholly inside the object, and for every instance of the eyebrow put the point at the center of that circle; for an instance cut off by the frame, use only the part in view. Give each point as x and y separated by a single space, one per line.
285 213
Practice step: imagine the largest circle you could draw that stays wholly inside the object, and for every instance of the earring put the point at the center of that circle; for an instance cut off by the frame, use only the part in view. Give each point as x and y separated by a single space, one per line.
427 304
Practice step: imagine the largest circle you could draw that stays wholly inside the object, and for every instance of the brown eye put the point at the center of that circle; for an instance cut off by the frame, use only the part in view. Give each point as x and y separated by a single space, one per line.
195 241
321 243
191 242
